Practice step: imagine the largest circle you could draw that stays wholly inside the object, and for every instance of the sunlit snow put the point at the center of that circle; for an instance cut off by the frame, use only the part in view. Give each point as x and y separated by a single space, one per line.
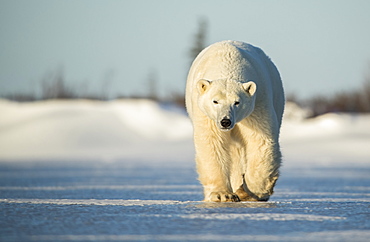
85 170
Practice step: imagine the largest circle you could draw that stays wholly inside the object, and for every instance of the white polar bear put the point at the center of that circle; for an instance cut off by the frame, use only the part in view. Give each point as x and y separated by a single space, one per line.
235 99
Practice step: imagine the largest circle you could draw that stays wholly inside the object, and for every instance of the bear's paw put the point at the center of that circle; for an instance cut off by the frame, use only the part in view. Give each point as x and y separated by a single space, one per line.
223 197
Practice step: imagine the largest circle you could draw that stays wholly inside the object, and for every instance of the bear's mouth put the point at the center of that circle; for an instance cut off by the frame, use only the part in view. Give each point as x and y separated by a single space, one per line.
226 129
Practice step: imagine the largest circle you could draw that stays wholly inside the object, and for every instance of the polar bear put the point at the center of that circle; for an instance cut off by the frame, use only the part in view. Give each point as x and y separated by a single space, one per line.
235 100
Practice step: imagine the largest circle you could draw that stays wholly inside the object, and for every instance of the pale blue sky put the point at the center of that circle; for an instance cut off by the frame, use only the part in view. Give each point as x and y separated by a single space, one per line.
319 47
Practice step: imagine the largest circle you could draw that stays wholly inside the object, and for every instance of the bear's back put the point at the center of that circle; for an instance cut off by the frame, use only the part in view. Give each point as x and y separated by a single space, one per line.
255 65
232 60
238 61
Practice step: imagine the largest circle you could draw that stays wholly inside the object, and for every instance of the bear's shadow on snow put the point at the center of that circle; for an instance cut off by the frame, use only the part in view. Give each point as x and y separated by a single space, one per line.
236 205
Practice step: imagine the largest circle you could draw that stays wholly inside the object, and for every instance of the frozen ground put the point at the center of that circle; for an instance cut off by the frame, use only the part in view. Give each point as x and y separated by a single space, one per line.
124 170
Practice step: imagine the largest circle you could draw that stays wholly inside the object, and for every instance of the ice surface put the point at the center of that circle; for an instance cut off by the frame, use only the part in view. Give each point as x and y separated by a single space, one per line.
124 170
103 202
99 201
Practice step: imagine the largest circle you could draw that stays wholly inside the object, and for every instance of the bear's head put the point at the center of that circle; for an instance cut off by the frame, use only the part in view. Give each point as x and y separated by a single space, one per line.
226 102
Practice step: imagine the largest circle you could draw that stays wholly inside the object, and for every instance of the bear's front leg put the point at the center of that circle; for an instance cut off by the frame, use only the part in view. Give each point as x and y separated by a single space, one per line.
215 187
262 169
214 180
213 165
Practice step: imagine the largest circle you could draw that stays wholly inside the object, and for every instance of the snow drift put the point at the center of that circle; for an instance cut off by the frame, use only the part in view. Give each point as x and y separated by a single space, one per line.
91 130
143 130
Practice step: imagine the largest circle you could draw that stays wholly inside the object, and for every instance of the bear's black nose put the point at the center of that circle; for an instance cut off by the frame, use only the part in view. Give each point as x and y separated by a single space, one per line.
225 122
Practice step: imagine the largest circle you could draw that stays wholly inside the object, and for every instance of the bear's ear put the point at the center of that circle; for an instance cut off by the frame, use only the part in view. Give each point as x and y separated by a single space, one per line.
203 85
250 87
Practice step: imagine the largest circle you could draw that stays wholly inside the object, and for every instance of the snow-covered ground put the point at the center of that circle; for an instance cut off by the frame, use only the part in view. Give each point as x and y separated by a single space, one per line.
145 130
92 130
124 171
330 139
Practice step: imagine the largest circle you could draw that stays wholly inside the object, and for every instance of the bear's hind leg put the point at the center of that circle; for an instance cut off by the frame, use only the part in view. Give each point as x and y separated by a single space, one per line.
237 176
243 195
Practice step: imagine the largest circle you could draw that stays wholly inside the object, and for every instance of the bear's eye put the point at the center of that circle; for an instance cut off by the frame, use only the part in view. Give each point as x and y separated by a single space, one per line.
215 102
236 103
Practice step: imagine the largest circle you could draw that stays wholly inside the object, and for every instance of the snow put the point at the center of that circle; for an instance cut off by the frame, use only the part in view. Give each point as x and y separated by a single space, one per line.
96 202
330 139
80 170
353 235
91 130
145 130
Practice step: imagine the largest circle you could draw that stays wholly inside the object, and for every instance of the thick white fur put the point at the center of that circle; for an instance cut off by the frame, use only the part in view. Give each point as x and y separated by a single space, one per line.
237 81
